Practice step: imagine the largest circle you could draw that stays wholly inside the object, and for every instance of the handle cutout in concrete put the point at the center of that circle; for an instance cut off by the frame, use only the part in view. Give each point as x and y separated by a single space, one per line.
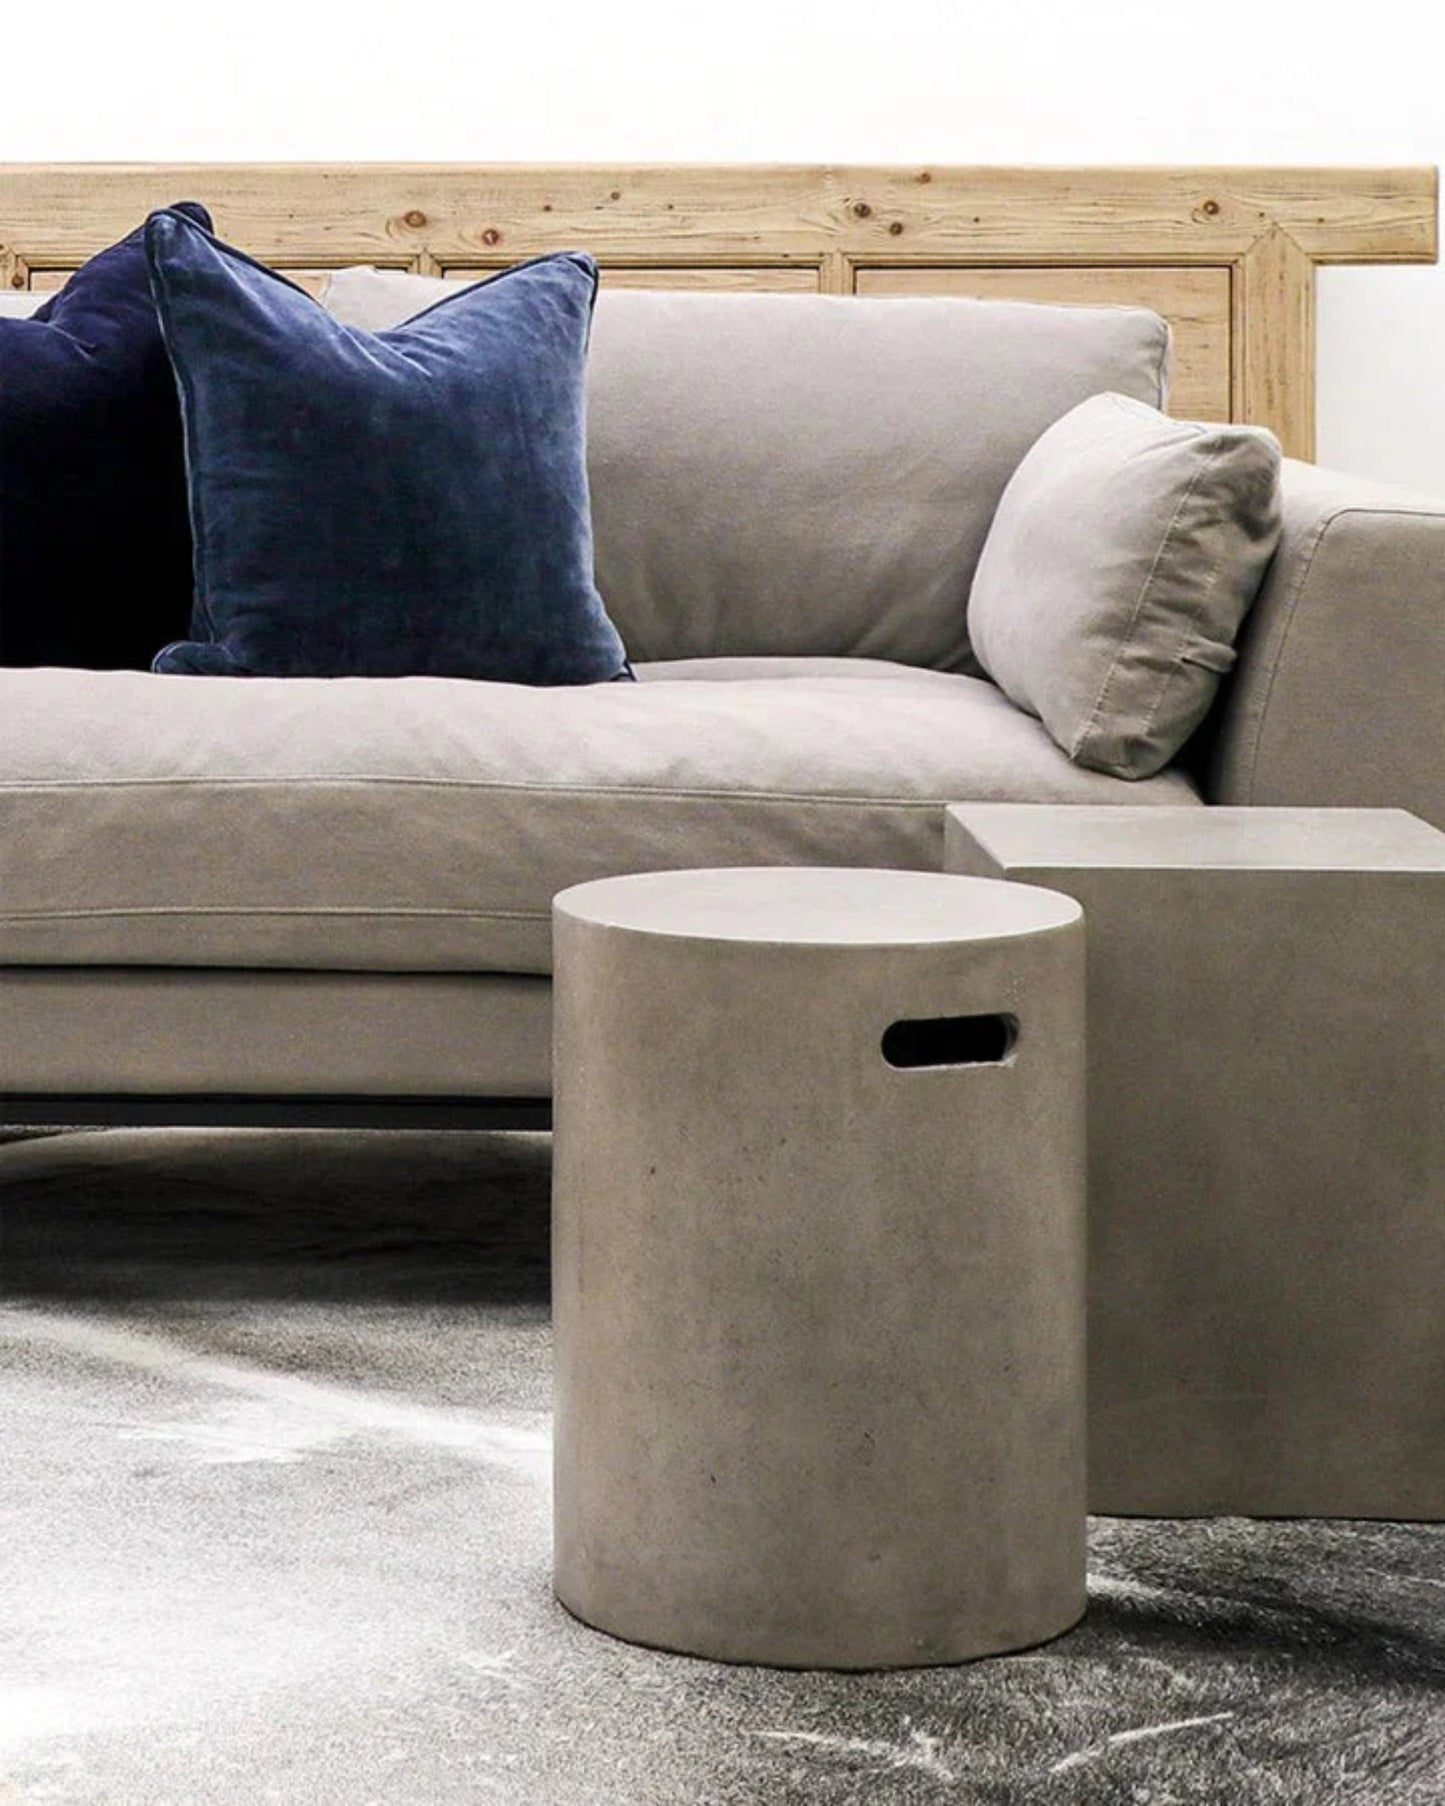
950 1041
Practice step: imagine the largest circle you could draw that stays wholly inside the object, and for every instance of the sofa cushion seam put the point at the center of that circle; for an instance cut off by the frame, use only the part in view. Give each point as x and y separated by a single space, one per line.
1161 381
1127 637
669 793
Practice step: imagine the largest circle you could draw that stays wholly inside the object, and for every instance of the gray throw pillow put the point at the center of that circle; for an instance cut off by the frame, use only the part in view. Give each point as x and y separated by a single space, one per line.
1125 552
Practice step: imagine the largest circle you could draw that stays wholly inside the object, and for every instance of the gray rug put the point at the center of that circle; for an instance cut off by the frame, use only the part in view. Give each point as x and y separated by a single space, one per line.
275 1529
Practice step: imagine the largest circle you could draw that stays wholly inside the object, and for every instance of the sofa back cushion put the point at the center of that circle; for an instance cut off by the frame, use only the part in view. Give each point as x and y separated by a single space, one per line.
801 475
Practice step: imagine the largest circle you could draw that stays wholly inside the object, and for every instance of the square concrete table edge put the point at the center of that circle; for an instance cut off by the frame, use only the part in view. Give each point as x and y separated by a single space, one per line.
1266 1197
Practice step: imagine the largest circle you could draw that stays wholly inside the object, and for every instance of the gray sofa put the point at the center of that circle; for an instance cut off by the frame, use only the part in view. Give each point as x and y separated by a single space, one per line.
263 900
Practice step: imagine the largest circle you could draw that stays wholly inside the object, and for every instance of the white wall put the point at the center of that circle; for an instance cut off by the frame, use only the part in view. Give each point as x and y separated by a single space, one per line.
1018 81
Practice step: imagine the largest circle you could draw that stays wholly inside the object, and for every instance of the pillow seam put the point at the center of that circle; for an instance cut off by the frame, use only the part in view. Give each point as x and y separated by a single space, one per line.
161 294
1091 724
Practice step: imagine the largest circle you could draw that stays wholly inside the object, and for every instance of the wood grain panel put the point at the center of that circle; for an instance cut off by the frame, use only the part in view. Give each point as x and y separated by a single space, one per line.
786 280
1196 301
796 226
777 280
312 280
358 213
767 280
1274 339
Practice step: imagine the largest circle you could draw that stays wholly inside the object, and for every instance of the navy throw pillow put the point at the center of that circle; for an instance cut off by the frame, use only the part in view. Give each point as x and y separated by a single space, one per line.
95 546
410 502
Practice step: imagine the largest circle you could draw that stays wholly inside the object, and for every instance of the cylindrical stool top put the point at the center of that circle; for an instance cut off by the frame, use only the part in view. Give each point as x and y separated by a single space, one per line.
818 1263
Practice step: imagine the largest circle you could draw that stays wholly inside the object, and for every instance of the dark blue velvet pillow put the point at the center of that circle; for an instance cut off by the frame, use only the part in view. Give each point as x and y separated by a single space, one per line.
404 502
95 546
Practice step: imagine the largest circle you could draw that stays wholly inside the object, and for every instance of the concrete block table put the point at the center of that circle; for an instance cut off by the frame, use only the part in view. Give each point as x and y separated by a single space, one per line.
1266 1146
818 1264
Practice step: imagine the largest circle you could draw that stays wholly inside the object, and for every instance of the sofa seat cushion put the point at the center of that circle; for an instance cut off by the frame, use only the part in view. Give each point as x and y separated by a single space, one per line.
424 824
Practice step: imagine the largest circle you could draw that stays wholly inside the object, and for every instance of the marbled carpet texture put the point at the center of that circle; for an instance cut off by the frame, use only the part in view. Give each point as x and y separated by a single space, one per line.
275 1529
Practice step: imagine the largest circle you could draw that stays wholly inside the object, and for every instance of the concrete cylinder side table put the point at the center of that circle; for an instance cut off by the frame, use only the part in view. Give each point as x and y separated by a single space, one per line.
818 1264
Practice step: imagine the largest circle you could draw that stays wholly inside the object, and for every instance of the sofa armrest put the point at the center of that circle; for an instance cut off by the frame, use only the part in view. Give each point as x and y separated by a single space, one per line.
1338 697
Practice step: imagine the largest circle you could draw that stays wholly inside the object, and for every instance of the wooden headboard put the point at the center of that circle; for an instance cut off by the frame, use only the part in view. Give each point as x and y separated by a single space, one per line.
1228 256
